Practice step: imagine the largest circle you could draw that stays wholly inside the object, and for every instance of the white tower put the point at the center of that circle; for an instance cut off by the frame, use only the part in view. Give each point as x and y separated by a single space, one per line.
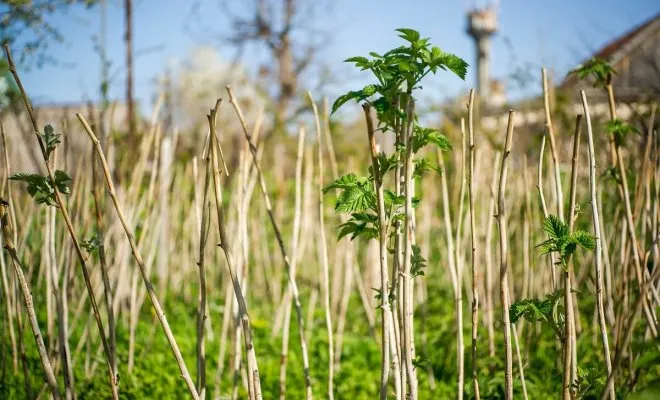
481 25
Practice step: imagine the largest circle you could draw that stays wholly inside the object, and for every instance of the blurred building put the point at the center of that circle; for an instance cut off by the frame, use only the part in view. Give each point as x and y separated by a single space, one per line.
481 26
636 58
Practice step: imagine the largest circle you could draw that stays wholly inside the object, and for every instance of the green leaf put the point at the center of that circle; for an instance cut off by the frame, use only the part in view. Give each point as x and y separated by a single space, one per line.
408 34
369 90
391 199
554 227
343 182
343 99
419 362
590 383
355 199
91 244
422 166
357 193
50 139
417 262
40 187
599 69
361 62
584 239
562 241
534 310
360 224
546 247
449 61
357 95
385 163
423 136
62 181
620 130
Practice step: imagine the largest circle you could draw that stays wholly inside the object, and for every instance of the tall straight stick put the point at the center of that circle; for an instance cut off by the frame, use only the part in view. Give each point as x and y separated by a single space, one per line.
107 288
598 252
386 311
407 306
140 262
324 256
204 229
455 281
570 349
473 236
544 209
504 261
295 255
553 146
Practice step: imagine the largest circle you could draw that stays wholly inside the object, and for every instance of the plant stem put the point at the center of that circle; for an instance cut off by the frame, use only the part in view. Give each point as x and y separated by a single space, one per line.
407 255
544 208
570 368
204 228
386 312
294 261
473 237
324 256
504 261
490 304
107 287
553 145
453 273
599 245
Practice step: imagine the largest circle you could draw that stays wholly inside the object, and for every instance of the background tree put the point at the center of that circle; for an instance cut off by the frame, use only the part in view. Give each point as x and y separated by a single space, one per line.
286 30
21 17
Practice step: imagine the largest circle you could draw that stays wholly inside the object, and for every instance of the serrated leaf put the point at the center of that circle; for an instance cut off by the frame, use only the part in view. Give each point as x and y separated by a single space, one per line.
597 68
343 182
534 310
62 181
391 199
361 62
424 136
343 99
50 139
408 34
40 187
355 199
584 239
417 262
620 130
554 227
91 244
562 241
422 166
449 61
385 163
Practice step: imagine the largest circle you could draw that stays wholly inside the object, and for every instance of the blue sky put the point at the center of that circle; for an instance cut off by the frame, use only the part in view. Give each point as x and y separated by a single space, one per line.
557 34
